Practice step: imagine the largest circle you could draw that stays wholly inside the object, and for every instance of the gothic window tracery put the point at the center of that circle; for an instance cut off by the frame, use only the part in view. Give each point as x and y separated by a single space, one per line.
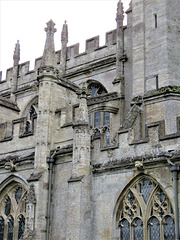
12 213
146 213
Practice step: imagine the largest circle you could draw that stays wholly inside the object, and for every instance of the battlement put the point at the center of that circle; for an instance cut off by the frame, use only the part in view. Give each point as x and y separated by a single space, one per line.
91 46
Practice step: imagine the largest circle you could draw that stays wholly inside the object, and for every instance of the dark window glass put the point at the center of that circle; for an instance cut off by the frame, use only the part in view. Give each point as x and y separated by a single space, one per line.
169 229
161 196
106 118
10 229
155 20
145 189
154 229
93 90
138 229
96 89
32 112
18 194
131 198
28 127
1 228
97 119
101 91
124 230
21 227
7 209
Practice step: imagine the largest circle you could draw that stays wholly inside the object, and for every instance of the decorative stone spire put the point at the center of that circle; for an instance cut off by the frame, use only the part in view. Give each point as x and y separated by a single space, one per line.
49 56
120 14
16 56
64 41
14 82
64 33
120 57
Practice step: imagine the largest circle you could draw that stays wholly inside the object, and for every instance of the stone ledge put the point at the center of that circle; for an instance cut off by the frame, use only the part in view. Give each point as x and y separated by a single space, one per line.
129 163
35 177
75 179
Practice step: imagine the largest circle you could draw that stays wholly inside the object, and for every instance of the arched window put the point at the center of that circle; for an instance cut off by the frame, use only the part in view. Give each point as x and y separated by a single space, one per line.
12 213
96 89
100 120
146 213
29 120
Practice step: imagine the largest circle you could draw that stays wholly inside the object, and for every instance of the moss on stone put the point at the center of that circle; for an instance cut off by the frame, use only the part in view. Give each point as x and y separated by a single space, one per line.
167 89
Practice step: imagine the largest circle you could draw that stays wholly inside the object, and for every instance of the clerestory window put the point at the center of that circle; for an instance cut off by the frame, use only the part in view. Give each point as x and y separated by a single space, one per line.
146 213
30 120
100 120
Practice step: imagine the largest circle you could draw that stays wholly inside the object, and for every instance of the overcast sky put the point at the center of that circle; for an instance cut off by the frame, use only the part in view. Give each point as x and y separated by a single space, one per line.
25 21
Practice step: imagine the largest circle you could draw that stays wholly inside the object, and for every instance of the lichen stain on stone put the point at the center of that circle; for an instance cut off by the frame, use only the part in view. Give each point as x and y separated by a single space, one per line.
106 234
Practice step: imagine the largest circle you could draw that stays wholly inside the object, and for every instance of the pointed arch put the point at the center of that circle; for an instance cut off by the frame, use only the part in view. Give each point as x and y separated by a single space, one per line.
13 207
11 180
143 203
32 102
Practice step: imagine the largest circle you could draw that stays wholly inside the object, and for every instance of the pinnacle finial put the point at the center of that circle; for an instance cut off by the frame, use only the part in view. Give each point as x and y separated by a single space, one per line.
49 56
120 12
64 33
16 55
50 27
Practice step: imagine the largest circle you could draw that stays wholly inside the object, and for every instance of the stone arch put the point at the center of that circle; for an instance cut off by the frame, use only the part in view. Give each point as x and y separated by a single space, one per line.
29 116
33 101
100 87
13 179
15 189
147 205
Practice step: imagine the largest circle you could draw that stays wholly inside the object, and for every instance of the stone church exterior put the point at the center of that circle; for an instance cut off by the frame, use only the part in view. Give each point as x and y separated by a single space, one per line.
89 142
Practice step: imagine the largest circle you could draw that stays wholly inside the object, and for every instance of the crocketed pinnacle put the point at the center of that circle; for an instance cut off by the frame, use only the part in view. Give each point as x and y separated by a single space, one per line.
16 55
120 13
64 33
49 56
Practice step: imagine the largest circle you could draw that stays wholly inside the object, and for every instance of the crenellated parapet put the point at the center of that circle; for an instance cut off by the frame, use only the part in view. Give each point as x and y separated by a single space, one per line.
92 52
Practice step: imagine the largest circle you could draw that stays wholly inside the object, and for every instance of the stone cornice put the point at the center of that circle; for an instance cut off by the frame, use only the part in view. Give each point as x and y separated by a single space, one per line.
129 163
103 98
64 150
